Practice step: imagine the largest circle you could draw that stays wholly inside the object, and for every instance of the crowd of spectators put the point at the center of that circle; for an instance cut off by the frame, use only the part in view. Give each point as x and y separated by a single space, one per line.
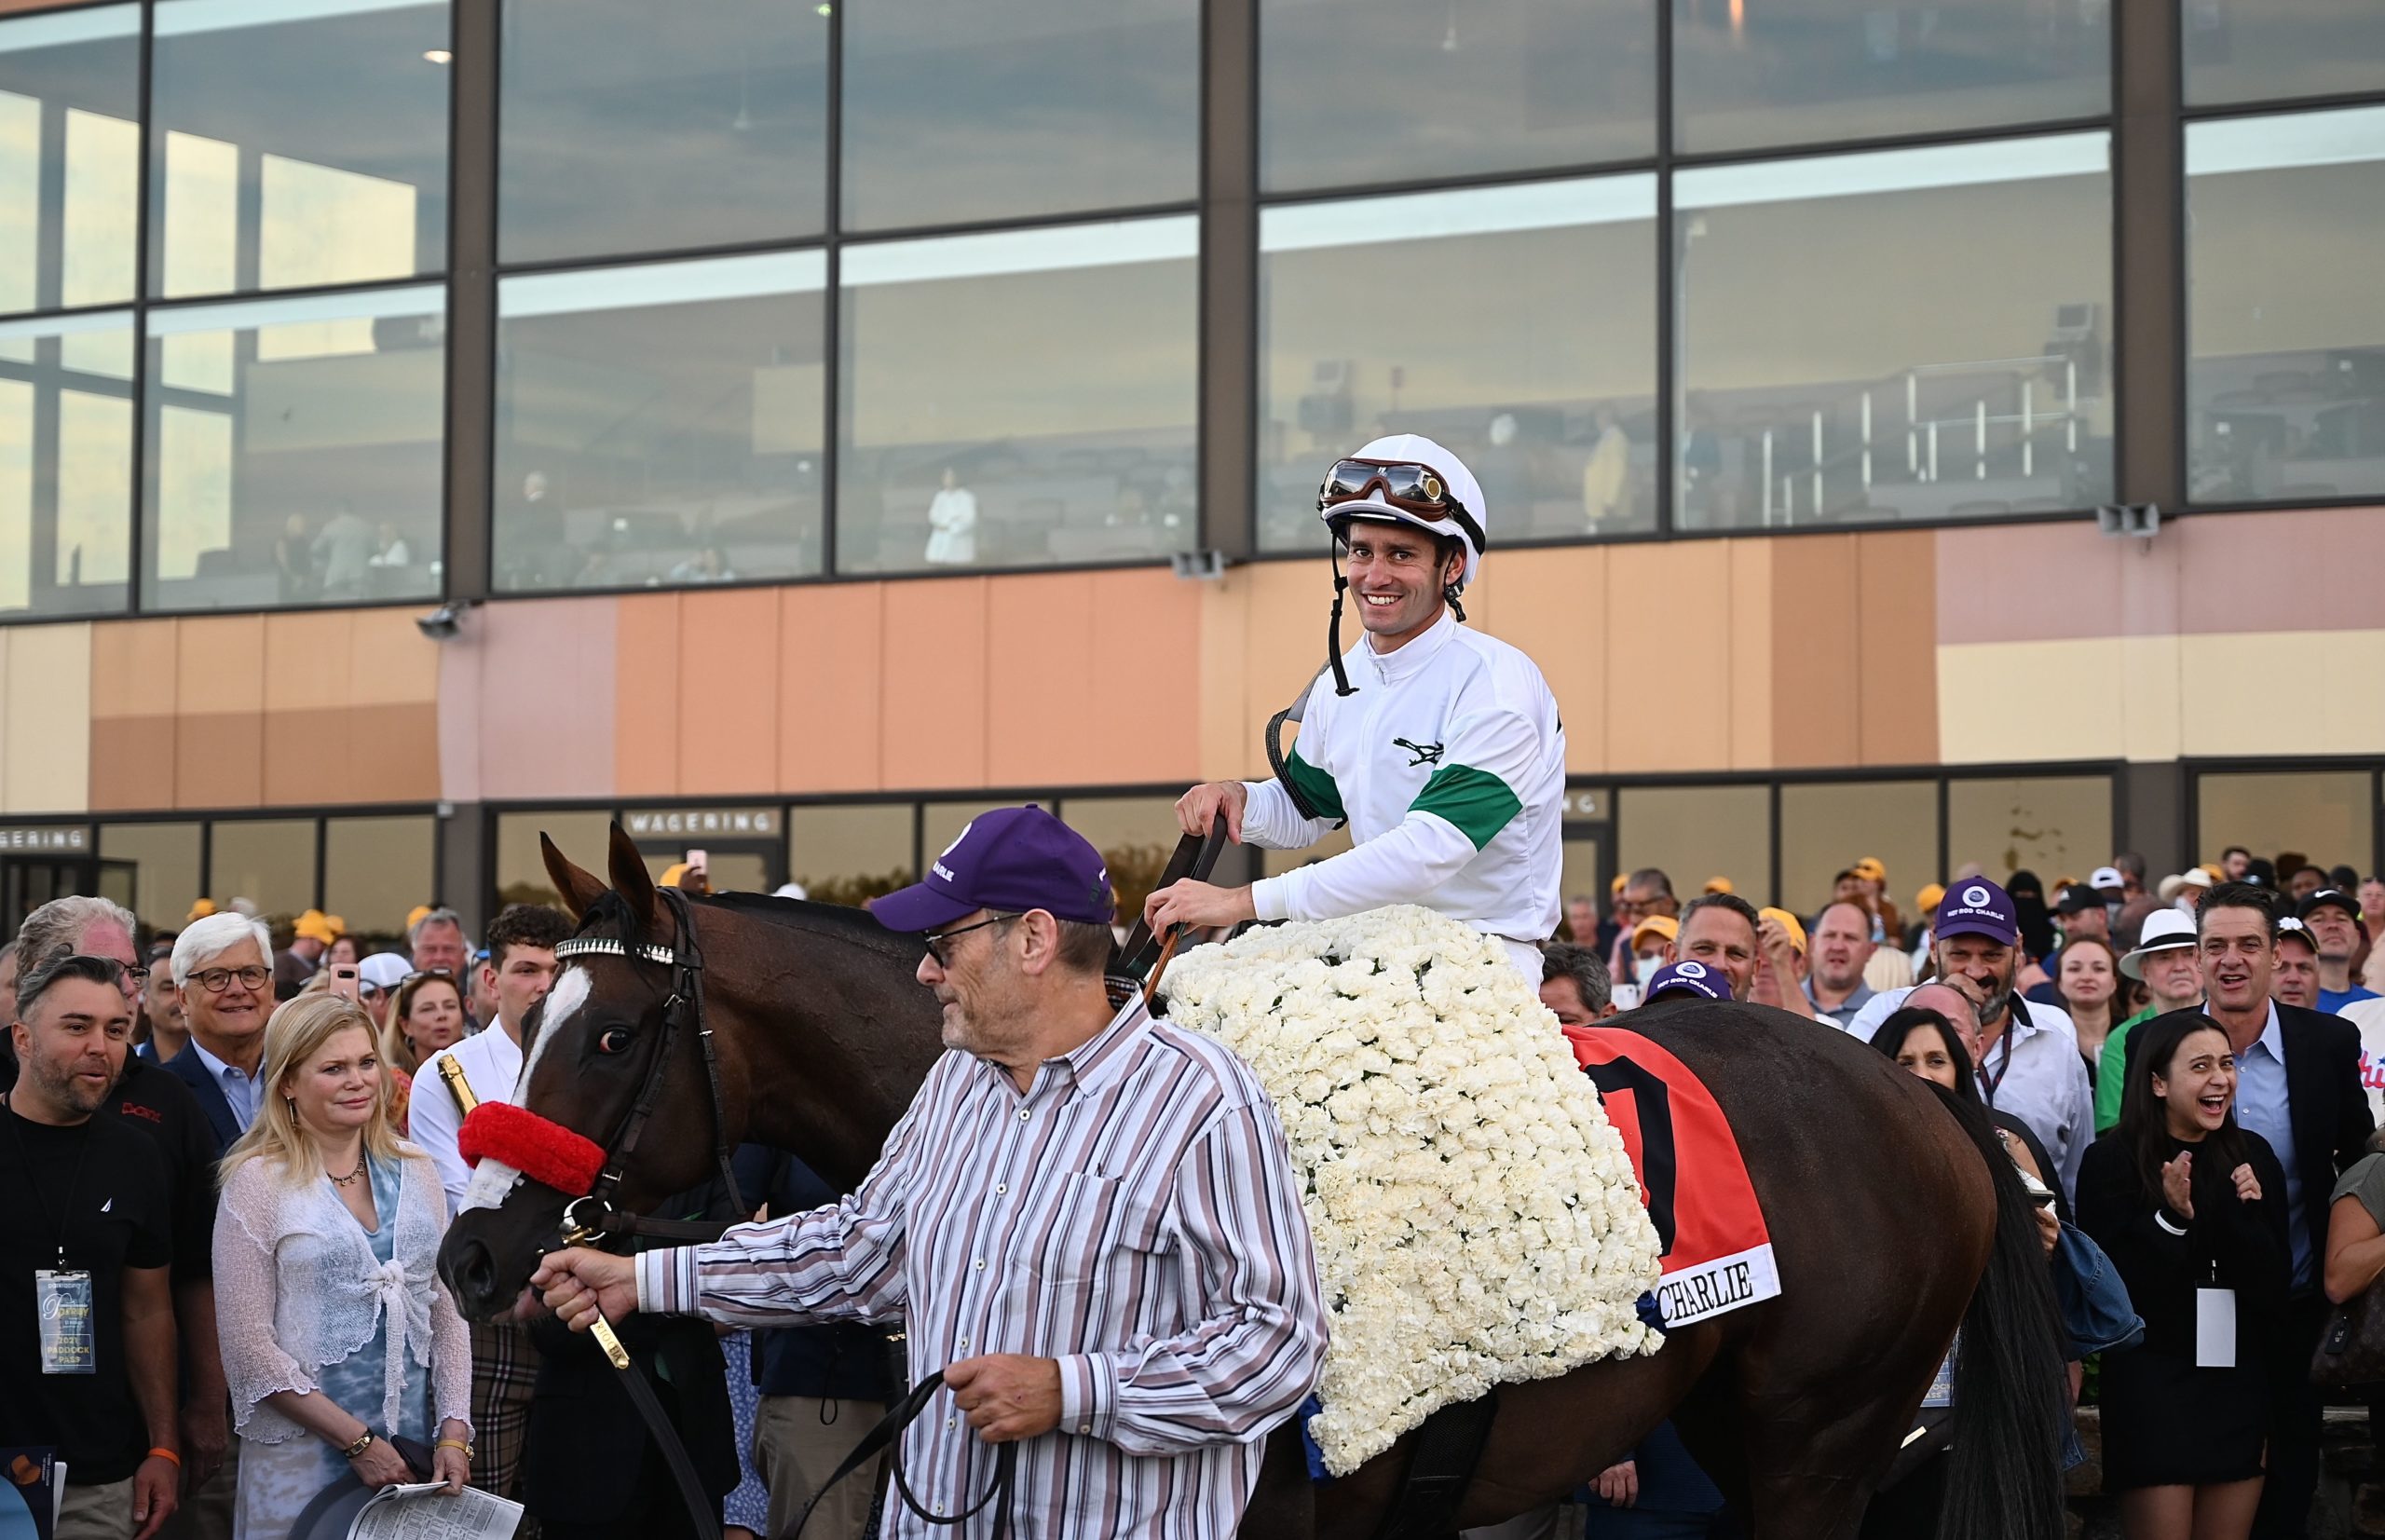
2188 1069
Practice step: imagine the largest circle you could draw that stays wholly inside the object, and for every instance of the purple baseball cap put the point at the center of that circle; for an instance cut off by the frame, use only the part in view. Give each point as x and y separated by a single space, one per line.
1013 860
1977 906
1688 976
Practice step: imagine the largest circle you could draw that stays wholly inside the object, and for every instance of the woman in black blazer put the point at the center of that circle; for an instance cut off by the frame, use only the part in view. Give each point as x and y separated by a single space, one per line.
2185 1201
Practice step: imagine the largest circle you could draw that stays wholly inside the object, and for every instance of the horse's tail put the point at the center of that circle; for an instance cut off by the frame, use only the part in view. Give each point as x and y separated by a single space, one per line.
2004 1476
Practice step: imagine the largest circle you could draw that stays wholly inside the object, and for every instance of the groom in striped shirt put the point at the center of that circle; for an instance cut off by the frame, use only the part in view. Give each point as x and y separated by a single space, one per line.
1087 1216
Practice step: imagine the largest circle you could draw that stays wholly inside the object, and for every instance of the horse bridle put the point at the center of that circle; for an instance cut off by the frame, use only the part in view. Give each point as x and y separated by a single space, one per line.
590 1218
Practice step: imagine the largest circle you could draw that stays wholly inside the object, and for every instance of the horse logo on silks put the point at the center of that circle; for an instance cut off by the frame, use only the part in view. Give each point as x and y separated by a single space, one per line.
1690 969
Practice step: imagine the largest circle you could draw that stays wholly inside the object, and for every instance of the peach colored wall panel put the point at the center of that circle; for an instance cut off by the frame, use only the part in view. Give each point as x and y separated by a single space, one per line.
219 664
310 756
934 633
646 684
1042 678
132 763
2314 570
1817 650
307 659
394 751
541 701
831 667
1131 731
1897 603
219 759
1673 711
1748 617
729 691
132 668
391 663
1552 604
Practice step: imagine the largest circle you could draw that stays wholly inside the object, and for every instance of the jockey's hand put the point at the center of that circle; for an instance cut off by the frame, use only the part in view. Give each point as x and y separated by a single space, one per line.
1190 903
577 1282
1618 1485
1198 808
1007 1395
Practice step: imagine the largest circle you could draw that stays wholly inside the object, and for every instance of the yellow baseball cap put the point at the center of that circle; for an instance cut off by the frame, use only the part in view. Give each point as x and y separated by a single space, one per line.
199 910
1662 926
1927 899
1618 885
1718 884
315 925
1870 870
414 916
1787 921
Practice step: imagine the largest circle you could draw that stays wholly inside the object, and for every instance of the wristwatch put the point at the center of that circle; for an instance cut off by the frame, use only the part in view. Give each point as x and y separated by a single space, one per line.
363 1442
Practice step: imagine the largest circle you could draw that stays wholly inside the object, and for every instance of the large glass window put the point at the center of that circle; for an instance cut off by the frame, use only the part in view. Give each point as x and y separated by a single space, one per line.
1804 71
1019 398
1352 91
849 854
294 451
270 862
1374 318
1908 334
2328 815
376 869
2256 50
70 158
65 463
296 142
660 424
2286 323
2054 825
585 840
1693 834
1825 829
164 858
957 112
630 126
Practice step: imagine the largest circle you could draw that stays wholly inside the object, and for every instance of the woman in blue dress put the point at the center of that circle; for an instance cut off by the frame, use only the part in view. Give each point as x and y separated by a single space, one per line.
336 1332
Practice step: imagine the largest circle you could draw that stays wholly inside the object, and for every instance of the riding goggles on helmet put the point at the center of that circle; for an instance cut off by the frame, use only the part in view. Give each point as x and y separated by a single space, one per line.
1415 490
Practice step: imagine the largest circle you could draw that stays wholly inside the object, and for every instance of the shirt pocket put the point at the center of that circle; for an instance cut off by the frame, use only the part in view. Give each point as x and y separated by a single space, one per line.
1096 1248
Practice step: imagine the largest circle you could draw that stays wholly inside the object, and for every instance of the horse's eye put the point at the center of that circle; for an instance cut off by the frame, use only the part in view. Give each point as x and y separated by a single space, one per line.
613 1039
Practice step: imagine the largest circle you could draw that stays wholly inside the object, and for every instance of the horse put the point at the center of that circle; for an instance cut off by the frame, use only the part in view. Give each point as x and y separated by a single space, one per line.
1895 1218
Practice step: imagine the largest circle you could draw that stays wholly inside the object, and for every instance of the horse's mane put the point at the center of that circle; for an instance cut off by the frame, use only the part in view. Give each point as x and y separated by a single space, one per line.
831 921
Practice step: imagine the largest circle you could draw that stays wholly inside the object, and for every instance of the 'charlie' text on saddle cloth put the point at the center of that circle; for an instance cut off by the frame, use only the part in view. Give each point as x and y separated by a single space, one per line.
1476 1218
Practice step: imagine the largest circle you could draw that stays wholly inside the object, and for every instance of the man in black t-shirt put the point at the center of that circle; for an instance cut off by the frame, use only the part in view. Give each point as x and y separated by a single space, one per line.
85 1235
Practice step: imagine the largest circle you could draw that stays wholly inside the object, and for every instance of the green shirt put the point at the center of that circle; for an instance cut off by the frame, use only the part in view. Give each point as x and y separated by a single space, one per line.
2111 1070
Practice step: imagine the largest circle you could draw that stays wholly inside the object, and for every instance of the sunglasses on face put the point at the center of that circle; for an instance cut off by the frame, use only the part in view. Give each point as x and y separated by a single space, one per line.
934 940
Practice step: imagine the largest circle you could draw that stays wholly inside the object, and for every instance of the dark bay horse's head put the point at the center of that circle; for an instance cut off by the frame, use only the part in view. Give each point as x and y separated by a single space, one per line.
590 1050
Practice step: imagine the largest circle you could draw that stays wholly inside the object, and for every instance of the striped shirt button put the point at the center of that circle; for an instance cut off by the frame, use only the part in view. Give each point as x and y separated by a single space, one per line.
1022 1114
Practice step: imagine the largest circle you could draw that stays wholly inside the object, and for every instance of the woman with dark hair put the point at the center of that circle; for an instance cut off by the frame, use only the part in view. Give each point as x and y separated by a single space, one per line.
2191 1209
1926 1042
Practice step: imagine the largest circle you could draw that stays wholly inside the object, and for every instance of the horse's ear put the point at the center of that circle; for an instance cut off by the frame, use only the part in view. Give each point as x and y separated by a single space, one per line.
631 878
580 890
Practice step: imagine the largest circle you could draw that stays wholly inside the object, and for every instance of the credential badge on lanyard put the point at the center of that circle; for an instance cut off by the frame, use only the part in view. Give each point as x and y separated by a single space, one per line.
62 1301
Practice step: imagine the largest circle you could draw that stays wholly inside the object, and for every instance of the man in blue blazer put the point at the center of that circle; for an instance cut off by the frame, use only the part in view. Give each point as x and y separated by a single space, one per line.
224 966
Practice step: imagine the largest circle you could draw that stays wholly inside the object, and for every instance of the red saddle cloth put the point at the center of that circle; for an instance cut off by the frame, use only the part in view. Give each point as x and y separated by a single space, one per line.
1715 1253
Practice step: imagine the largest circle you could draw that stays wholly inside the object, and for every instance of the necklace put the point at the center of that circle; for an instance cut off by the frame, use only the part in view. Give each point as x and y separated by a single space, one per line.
343 1182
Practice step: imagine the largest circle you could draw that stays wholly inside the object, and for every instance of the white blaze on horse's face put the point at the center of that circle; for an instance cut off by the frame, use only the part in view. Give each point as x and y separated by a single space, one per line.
491 1182
563 1003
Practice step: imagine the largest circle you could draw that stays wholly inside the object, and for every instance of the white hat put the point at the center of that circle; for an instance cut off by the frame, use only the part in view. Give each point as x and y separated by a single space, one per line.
2106 877
789 889
2166 931
1404 448
2193 877
383 969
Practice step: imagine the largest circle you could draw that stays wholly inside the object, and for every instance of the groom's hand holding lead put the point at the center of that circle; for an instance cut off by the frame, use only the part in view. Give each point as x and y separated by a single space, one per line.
575 1283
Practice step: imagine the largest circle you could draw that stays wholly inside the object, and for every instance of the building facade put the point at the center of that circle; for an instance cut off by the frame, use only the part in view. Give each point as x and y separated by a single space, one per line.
817 422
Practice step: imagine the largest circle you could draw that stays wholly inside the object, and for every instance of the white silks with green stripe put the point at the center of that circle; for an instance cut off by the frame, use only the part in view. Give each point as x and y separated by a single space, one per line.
1449 764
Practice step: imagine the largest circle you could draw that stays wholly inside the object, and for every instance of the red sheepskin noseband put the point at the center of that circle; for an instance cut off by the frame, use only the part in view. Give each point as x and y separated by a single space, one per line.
542 1150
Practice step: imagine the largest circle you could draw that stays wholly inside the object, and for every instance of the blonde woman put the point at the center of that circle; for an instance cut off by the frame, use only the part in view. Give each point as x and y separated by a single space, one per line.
427 1015
336 1332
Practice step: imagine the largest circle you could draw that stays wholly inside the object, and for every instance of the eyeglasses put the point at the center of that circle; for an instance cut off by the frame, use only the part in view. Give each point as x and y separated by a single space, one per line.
216 980
1411 487
934 940
136 976
448 973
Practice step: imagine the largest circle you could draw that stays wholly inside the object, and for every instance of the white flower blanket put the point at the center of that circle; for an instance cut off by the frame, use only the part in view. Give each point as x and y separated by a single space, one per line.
1476 1216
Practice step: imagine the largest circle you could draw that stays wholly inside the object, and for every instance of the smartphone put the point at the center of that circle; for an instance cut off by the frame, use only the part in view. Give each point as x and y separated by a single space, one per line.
699 860
344 980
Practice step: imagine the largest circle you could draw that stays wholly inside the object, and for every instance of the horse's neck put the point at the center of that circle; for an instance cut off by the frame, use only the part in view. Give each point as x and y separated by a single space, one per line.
838 1048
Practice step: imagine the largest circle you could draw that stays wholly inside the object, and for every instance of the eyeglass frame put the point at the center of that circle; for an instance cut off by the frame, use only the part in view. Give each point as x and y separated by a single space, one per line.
199 975
929 938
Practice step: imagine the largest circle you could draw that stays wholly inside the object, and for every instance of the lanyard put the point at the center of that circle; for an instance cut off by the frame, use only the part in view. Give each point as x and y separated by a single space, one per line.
73 1186
1988 1081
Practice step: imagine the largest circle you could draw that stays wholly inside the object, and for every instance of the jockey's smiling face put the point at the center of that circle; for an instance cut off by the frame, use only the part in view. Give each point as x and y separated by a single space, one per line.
1397 575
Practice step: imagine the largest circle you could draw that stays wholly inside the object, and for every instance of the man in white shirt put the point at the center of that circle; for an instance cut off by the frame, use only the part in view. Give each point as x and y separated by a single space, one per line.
2028 1052
520 970
1439 746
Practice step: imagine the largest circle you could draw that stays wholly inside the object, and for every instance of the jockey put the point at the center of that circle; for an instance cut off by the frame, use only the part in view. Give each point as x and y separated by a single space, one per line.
1439 746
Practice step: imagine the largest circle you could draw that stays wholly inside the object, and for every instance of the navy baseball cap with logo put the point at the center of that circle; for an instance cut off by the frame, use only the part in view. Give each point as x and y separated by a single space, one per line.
1010 860
1976 907
1688 976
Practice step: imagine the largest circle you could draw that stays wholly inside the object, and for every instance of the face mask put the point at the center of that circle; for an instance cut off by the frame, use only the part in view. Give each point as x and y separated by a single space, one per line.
1644 968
